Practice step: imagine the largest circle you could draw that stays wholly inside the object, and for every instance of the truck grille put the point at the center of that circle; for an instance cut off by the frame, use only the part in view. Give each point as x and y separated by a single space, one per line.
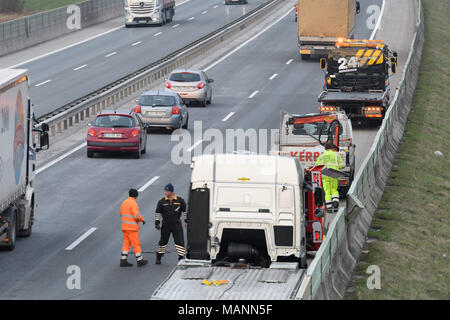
147 7
359 82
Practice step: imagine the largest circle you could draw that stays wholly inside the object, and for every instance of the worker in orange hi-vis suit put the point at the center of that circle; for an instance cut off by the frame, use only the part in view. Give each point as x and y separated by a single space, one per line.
129 213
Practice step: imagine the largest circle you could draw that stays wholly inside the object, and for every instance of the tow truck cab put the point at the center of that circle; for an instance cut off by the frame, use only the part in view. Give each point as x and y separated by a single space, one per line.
251 209
357 79
304 137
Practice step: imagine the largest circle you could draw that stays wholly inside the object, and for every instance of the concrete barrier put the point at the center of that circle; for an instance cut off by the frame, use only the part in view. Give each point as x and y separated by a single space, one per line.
368 186
31 30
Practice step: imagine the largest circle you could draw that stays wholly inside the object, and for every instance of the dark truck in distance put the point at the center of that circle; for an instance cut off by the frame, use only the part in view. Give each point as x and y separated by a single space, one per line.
357 79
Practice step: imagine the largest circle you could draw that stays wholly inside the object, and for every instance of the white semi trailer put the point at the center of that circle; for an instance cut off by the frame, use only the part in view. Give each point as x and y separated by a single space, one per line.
17 157
157 12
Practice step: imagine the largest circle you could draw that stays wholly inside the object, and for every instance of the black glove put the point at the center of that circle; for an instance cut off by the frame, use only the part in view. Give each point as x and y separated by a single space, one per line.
143 222
157 225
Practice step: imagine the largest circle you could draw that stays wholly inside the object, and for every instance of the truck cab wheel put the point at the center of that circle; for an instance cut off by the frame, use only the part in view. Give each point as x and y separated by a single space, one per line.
27 232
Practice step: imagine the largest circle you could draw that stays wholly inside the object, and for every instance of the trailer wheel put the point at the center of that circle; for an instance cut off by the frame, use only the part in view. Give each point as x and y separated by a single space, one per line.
12 229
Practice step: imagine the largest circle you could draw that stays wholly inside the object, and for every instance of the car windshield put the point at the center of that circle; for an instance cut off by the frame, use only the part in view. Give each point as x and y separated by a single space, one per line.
157 101
310 129
114 121
184 77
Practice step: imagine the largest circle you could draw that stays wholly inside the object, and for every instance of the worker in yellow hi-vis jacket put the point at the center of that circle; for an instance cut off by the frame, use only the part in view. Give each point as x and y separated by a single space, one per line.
332 160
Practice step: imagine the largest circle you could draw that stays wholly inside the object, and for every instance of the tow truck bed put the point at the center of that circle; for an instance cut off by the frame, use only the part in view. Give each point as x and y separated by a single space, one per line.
339 96
186 283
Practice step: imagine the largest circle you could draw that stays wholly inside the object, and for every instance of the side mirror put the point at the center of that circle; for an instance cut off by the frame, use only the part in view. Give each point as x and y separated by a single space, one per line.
318 196
323 63
358 7
394 67
45 127
44 141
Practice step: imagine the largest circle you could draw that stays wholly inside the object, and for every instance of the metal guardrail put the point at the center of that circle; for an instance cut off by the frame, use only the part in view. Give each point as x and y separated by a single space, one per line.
30 30
118 91
368 185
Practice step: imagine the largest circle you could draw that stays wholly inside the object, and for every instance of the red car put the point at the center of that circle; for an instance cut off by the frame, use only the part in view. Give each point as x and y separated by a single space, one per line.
115 131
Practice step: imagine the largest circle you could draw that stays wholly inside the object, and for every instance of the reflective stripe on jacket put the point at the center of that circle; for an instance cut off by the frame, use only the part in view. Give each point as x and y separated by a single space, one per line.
330 159
129 213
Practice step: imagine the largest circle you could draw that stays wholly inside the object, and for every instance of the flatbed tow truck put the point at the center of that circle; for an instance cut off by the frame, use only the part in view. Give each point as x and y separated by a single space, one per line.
252 220
357 79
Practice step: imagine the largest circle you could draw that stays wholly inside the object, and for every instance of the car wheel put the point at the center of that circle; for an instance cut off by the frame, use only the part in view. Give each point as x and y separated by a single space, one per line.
90 154
204 103
144 151
210 99
186 124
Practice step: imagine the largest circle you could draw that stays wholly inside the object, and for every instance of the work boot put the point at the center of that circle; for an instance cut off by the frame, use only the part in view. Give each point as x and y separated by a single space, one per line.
158 258
125 263
142 263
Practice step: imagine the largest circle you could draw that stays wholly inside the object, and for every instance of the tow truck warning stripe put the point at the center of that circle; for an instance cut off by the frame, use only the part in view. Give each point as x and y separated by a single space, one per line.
374 57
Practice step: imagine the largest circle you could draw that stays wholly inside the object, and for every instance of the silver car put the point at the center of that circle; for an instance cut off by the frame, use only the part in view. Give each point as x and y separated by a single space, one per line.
162 109
191 85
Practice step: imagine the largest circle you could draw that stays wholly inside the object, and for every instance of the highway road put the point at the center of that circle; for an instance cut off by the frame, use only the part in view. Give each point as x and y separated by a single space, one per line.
80 197
69 74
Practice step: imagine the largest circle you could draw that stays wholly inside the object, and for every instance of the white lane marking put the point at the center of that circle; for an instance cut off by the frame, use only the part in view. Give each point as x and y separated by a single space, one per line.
62 157
176 26
289 61
253 94
148 184
194 145
216 6
273 76
64 48
228 116
157 34
377 26
80 67
110 54
191 18
42 83
136 43
248 41
80 239
182 3
205 12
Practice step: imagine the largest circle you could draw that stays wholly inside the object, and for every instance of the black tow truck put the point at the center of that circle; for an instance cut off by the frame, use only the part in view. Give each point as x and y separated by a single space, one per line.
357 76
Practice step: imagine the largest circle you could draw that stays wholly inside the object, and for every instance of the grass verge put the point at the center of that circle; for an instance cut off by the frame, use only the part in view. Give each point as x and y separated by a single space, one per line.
35 6
412 224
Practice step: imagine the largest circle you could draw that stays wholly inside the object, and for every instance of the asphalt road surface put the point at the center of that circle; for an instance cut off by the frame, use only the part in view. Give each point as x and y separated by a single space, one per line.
79 196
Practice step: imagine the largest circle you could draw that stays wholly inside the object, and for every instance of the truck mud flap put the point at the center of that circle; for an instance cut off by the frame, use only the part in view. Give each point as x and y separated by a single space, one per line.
198 224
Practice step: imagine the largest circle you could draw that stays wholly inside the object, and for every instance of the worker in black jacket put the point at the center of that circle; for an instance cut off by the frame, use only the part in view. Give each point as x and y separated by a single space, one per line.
170 209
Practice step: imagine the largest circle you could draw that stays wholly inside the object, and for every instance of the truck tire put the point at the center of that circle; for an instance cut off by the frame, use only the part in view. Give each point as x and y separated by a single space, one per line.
305 56
12 229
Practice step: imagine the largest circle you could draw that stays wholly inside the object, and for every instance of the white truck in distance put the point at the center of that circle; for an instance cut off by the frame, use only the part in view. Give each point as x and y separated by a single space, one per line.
17 157
149 12
251 221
